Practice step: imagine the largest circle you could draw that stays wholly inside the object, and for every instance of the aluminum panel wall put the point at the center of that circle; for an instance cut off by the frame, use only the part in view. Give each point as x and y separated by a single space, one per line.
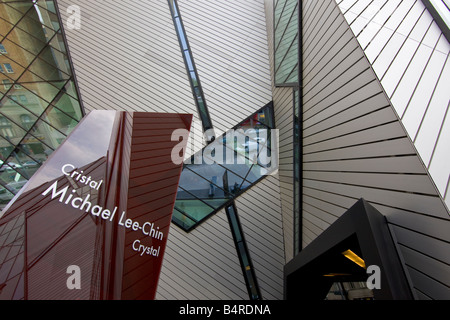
356 146
129 59
259 212
233 65
202 264
409 54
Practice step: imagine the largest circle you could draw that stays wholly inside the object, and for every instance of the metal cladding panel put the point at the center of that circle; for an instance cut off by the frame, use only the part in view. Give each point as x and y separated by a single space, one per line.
259 213
356 143
228 40
93 205
410 55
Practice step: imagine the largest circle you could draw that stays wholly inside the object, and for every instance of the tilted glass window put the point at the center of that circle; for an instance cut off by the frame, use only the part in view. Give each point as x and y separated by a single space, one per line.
224 169
197 91
286 42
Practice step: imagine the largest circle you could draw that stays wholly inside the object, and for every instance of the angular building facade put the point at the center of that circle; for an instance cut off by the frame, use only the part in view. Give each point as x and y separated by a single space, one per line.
358 94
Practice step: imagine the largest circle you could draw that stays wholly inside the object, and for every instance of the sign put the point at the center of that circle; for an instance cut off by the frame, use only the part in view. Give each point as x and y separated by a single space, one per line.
100 206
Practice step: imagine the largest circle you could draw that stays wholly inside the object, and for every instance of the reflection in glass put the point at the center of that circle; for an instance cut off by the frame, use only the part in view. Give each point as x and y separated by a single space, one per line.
39 104
224 169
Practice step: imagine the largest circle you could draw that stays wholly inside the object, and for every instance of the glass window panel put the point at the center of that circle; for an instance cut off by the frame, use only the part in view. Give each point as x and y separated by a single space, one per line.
181 33
18 54
69 105
60 120
243 254
233 183
279 6
235 224
20 6
189 61
24 164
14 111
23 101
289 63
5 149
32 23
193 79
15 161
45 139
183 220
10 16
7 67
242 143
41 71
5 86
174 7
12 180
26 41
265 117
265 157
47 4
206 186
287 15
215 203
286 44
57 42
46 17
212 175
5 196
10 130
70 90
203 183
293 77
50 57
43 92
36 147
196 209
256 172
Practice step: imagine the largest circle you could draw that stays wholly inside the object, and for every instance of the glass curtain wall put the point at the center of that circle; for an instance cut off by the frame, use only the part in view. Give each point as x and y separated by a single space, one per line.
39 103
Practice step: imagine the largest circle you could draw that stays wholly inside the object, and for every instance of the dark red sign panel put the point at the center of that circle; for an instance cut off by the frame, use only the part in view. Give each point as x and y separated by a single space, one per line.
93 222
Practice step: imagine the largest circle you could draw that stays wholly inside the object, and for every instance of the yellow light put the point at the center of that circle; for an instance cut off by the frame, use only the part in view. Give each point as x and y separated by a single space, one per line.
349 254
336 274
